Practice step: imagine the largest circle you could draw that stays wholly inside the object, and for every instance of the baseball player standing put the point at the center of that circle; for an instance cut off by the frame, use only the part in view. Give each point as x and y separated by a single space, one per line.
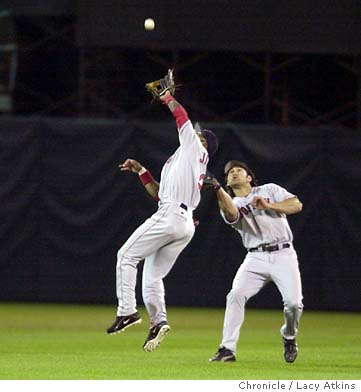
258 213
162 237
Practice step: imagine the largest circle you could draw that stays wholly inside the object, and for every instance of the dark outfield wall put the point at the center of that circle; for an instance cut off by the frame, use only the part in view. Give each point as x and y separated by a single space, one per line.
65 209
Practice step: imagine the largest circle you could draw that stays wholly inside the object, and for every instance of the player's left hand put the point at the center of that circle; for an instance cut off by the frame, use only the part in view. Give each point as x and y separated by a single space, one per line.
260 203
158 88
210 181
131 165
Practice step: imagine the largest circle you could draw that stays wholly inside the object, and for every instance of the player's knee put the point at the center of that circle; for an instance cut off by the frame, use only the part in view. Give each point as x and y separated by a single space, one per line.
237 294
124 259
120 254
125 255
151 286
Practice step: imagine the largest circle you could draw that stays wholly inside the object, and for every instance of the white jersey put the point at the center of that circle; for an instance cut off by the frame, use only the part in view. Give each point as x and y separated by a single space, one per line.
183 174
162 237
258 227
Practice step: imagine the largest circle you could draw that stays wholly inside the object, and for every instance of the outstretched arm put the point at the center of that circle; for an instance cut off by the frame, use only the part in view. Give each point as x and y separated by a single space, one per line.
226 204
289 206
150 184
225 201
178 111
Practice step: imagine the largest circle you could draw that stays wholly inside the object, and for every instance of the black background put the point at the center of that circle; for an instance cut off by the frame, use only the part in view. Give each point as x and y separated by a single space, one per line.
66 209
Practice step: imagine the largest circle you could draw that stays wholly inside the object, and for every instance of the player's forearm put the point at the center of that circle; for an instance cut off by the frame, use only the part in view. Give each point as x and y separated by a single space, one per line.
153 189
150 184
226 204
178 111
288 206
171 102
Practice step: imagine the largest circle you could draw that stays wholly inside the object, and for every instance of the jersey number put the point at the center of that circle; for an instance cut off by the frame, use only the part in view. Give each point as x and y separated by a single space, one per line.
200 181
204 159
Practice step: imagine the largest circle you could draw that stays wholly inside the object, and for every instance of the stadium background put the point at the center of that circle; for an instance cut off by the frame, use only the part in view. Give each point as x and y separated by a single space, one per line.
281 86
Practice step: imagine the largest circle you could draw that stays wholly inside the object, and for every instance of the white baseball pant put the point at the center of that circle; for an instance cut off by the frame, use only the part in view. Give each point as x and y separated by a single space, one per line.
159 240
256 271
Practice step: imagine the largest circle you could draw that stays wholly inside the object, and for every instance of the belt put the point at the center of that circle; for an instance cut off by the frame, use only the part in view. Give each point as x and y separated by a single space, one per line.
184 206
269 248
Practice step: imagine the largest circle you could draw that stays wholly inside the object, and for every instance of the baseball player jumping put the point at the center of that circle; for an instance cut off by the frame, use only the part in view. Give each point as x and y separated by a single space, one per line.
162 237
258 213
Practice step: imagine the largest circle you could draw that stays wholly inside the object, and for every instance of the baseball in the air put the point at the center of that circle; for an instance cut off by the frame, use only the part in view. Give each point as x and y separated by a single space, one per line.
149 24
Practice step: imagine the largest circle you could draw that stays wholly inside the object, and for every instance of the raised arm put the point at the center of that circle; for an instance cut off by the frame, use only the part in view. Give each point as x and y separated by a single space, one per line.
178 111
150 184
226 204
225 201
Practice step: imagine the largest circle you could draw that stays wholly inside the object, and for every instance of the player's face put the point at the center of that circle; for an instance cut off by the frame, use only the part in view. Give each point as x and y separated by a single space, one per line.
237 176
202 139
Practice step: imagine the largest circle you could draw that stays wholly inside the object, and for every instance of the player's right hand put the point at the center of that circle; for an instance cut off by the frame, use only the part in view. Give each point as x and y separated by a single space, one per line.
260 203
131 165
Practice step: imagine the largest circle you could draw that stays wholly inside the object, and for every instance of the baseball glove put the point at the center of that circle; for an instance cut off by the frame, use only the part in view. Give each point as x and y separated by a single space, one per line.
211 182
161 86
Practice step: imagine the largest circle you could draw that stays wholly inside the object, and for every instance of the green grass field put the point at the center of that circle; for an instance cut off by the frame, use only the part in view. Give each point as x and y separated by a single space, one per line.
68 342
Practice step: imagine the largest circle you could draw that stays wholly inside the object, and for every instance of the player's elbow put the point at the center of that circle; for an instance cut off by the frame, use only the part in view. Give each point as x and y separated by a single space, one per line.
231 215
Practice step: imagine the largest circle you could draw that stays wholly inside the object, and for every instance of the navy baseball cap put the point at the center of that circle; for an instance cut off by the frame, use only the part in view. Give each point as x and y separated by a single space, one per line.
212 141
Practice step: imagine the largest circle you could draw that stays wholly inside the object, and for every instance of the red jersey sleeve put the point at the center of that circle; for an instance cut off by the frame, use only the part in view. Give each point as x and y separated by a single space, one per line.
181 116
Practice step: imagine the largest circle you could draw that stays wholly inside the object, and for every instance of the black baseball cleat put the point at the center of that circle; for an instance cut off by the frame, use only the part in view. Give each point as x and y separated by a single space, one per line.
291 350
121 323
223 355
156 335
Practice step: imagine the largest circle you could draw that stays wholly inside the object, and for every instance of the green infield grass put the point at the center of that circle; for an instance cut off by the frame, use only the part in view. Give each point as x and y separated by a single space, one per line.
68 342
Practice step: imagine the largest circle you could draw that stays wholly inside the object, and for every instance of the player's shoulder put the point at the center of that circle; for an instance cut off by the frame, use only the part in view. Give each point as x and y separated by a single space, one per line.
266 188
187 125
188 132
269 185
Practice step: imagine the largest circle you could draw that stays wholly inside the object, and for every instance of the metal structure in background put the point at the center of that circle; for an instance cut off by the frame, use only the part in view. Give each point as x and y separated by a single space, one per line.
267 88
8 61
57 78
